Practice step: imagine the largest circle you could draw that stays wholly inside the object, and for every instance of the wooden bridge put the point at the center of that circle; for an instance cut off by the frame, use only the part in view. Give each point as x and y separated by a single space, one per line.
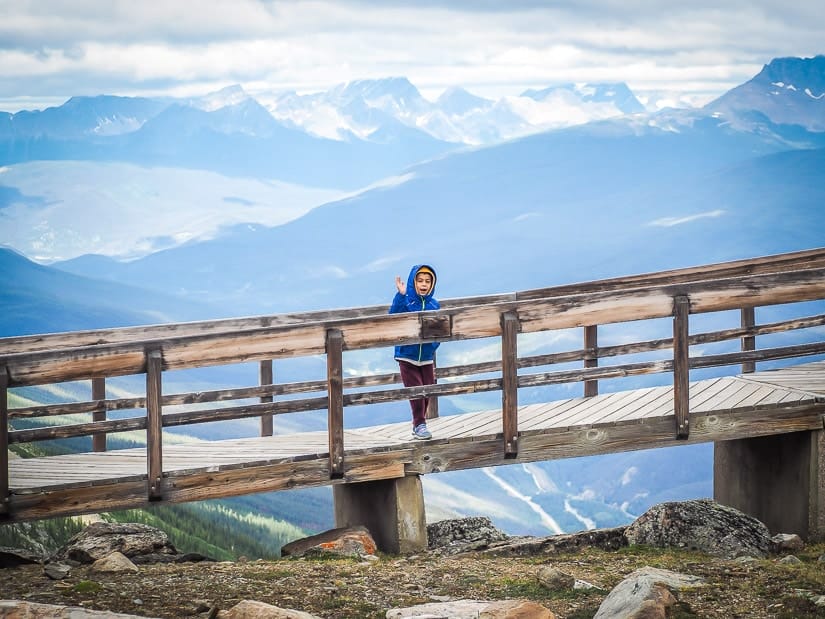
767 426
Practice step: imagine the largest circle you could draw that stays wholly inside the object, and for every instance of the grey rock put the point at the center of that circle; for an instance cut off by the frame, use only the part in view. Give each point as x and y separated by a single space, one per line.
13 609
114 562
554 579
103 538
251 609
647 590
605 539
473 609
462 535
12 557
790 560
57 571
787 541
703 525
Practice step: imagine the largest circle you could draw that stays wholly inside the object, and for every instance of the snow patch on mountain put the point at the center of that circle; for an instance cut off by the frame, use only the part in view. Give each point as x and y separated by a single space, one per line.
668 222
587 523
540 478
363 108
231 95
546 519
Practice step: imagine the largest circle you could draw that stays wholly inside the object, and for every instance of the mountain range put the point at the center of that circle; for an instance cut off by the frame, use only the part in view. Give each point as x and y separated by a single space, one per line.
493 193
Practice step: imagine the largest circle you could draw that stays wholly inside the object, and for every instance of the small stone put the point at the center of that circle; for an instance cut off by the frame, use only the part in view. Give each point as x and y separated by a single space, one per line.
114 562
790 560
584 585
57 571
787 541
554 579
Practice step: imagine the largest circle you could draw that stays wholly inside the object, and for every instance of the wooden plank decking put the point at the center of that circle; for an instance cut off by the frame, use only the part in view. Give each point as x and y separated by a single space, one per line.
771 402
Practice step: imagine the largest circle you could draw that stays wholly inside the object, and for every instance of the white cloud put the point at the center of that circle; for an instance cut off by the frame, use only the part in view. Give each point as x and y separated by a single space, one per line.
62 48
667 222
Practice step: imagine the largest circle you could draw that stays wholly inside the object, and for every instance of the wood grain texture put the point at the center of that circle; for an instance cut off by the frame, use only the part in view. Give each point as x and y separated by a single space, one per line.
720 409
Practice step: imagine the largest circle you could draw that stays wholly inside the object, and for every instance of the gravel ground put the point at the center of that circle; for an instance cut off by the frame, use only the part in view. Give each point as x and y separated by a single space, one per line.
345 588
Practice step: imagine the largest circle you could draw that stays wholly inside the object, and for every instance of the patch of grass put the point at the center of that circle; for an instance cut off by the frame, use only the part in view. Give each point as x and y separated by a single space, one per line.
87 586
350 608
532 589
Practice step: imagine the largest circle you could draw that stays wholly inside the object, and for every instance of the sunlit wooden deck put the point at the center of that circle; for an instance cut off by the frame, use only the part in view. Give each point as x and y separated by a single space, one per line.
770 402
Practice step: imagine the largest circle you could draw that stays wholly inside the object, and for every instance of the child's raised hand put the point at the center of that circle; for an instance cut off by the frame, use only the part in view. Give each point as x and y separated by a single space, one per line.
399 283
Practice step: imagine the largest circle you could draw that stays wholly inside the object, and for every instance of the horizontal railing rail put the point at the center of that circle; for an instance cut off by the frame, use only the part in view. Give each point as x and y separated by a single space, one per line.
375 380
150 351
808 259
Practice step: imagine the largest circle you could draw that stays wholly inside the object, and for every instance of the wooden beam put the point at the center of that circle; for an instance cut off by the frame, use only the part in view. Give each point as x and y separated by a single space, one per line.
4 441
591 359
748 321
242 393
509 383
154 425
777 263
681 365
99 395
335 408
265 375
377 331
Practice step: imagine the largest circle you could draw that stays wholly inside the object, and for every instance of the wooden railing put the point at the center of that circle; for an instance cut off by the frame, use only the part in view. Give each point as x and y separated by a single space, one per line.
151 350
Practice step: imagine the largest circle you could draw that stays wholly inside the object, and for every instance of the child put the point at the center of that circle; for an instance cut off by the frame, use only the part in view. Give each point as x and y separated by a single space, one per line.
416 361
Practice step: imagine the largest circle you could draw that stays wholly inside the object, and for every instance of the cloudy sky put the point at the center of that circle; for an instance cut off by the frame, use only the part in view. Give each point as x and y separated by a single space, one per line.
694 50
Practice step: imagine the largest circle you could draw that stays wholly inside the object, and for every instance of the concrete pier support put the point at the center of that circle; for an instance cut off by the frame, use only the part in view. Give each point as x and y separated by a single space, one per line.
778 479
392 509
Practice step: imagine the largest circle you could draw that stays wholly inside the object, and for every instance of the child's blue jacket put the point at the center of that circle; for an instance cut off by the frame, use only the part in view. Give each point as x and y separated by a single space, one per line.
413 302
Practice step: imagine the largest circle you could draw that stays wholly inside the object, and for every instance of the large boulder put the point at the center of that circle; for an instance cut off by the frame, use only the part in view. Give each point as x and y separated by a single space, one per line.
100 539
12 557
605 539
344 541
462 535
252 609
703 525
14 609
473 609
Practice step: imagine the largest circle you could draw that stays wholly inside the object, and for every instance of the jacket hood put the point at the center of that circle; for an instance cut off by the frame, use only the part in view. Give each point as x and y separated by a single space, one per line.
411 281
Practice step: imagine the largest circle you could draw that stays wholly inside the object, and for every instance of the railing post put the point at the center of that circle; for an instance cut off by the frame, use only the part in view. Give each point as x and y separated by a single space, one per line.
509 383
154 424
99 395
266 378
681 365
591 358
335 409
748 321
432 401
4 441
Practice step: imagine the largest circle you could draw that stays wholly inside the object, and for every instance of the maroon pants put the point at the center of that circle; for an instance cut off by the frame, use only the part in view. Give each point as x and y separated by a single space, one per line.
414 376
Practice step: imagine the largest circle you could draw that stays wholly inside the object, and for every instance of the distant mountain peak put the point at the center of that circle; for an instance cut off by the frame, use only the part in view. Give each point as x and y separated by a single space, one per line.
798 73
375 90
786 91
616 93
231 95
457 100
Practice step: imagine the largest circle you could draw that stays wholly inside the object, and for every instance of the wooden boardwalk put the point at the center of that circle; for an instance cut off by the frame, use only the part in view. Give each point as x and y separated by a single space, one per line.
770 402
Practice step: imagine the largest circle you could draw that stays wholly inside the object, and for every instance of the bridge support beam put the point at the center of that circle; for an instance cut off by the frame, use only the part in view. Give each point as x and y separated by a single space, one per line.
392 510
778 479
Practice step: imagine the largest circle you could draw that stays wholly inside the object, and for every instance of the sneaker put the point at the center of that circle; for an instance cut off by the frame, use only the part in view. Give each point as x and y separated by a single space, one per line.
421 432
